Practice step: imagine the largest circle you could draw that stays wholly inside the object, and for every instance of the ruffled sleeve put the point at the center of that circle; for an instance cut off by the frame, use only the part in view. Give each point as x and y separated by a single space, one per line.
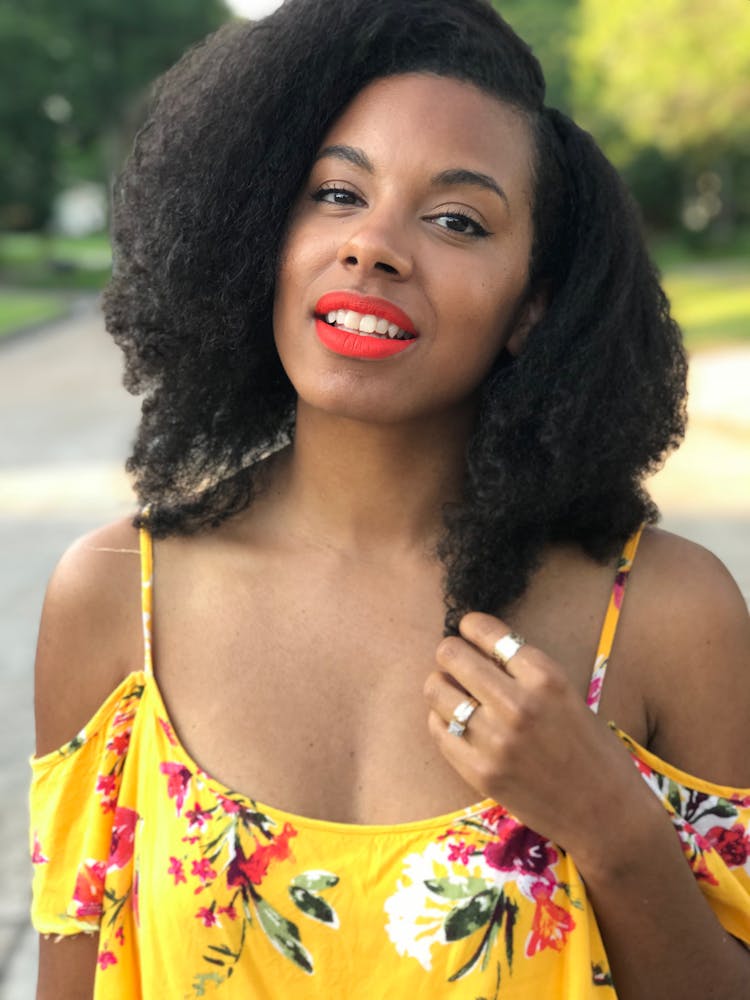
713 824
81 834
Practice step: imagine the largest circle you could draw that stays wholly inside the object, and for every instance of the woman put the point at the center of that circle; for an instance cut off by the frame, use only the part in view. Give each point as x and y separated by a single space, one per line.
405 366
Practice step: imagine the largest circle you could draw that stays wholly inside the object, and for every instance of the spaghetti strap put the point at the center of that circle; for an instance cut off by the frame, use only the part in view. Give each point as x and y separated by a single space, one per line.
147 576
611 619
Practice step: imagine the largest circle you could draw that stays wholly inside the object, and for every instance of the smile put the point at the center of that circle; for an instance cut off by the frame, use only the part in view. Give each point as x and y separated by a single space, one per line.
359 326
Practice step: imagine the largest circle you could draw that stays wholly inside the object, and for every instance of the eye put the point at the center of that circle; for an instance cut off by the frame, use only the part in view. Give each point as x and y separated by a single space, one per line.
460 223
335 196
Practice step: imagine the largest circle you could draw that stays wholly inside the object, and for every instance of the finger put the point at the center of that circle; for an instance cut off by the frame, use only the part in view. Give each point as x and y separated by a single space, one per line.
473 671
444 695
485 631
457 750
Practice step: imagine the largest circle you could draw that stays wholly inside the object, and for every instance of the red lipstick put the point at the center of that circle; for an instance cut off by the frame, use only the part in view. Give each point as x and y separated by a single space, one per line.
352 344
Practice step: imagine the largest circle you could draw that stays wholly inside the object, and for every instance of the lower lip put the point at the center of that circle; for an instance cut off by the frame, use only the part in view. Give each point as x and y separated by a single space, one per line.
352 345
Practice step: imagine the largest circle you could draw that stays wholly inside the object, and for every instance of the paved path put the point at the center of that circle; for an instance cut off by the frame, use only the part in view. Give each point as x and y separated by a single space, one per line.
66 430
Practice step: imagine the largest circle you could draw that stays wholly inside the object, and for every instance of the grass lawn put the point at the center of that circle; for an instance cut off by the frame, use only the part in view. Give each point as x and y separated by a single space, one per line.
19 309
33 260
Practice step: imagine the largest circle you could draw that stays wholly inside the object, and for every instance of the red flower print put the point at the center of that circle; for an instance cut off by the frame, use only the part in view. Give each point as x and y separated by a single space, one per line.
228 805
123 837
120 935
120 743
89 889
229 910
551 923
460 852
121 718
106 958
244 871
197 816
169 732
519 849
176 869
733 845
177 785
106 784
208 916
493 816
37 858
695 848
202 869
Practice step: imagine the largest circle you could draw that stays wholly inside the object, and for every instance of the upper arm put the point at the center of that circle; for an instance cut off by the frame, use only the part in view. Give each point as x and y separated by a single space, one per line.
689 641
90 633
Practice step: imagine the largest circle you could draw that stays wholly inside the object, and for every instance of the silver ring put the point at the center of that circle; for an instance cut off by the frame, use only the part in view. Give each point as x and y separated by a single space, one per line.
461 715
506 647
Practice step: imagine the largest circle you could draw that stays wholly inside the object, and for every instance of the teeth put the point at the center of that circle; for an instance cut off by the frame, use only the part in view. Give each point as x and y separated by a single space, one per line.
365 323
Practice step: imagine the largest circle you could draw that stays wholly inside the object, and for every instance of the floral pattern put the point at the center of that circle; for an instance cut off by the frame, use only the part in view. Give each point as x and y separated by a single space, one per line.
471 882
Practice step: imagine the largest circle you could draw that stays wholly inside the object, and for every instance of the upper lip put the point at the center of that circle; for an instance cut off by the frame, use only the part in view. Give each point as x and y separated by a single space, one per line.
367 305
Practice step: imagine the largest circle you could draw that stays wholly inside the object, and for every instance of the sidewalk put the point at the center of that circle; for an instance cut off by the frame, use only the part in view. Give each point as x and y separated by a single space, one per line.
68 426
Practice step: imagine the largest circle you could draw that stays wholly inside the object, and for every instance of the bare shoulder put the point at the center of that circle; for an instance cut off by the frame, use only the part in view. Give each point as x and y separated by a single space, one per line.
90 633
687 633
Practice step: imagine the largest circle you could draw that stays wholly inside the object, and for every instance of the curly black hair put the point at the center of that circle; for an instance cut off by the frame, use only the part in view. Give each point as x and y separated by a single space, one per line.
565 433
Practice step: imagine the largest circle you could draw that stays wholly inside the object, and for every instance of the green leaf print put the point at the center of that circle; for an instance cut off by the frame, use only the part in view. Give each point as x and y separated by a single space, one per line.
314 881
459 887
467 918
313 905
284 935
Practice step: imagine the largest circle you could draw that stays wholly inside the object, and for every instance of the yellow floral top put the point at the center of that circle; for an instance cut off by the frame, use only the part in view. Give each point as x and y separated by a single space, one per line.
196 890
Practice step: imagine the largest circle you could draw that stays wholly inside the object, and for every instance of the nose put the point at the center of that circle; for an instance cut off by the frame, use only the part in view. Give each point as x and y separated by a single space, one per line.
378 244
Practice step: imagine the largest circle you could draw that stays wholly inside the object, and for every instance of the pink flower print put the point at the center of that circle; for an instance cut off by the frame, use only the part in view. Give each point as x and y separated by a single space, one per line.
120 935
244 871
207 915
89 889
733 845
595 690
519 849
197 817
228 910
121 718
177 785
37 858
202 869
168 731
228 805
618 590
460 852
106 958
176 869
551 923
119 744
123 837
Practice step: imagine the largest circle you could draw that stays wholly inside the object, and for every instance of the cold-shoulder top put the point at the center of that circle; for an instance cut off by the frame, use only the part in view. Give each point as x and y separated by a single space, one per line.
194 889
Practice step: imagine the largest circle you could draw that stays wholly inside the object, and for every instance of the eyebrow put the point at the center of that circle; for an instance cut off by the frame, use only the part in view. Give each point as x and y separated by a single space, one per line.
446 178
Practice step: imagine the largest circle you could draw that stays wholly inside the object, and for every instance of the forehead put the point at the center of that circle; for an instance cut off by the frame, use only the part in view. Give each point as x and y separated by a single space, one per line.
438 120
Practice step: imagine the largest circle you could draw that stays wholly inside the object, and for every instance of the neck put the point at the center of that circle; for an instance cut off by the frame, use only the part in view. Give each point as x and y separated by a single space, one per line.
359 487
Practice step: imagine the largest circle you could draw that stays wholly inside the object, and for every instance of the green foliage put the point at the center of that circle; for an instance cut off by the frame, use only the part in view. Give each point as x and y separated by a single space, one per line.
547 26
70 73
674 75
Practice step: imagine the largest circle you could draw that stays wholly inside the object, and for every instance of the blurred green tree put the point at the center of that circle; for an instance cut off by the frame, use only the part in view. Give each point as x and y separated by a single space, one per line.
547 25
70 73
670 80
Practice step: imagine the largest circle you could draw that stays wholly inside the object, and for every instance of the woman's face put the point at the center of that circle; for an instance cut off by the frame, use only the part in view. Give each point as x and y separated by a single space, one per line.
415 220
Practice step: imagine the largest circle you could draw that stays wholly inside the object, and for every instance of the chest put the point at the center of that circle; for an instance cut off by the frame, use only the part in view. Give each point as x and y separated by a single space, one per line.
301 683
